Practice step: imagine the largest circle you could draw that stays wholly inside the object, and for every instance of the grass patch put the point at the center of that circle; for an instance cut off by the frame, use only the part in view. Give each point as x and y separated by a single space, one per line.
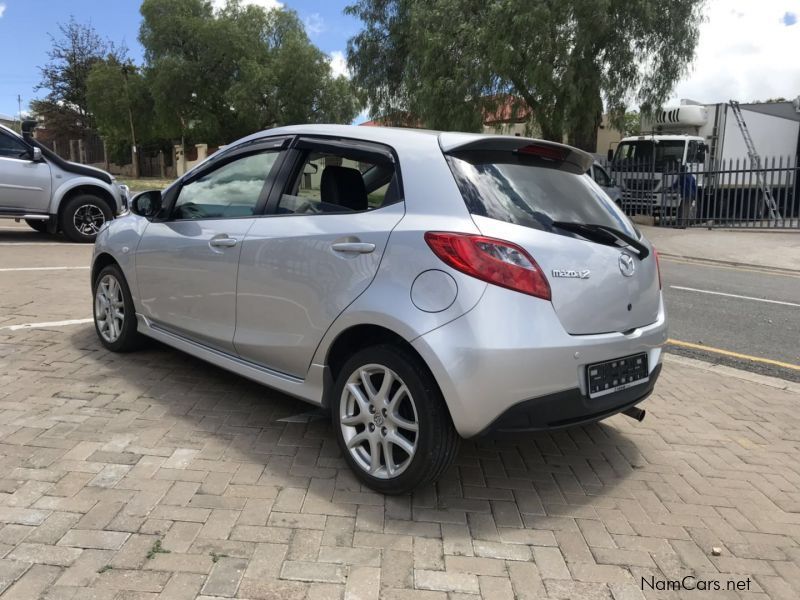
156 549
104 568
215 557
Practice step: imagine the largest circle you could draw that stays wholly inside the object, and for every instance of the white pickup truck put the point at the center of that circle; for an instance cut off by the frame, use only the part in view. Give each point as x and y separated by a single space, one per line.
51 194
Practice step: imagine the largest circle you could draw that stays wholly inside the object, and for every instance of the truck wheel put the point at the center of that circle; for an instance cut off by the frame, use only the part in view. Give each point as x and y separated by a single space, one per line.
40 226
83 216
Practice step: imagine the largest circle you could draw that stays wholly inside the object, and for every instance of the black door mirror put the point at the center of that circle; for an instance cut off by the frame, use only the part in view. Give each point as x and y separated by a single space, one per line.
146 204
610 155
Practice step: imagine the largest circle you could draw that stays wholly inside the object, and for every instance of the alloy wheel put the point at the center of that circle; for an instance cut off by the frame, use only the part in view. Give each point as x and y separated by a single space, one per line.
379 421
88 219
109 308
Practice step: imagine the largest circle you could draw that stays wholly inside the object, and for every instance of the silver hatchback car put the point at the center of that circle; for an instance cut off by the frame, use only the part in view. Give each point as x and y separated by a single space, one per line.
421 286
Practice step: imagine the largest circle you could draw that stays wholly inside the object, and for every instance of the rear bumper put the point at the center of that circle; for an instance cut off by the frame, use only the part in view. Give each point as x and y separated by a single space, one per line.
511 350
566 409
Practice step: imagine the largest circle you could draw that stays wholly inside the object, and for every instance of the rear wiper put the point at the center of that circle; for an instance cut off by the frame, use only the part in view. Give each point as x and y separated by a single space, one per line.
604 234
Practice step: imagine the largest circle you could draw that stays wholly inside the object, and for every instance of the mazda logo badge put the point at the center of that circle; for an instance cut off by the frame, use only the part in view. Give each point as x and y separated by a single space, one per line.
626 264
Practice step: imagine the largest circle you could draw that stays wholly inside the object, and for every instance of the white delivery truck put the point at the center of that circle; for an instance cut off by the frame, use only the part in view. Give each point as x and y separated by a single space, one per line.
706 141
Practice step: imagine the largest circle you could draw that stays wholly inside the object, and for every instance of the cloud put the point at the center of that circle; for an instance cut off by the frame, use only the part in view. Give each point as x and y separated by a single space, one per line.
338 63
789 18
265 4
747 51
2 9
314 24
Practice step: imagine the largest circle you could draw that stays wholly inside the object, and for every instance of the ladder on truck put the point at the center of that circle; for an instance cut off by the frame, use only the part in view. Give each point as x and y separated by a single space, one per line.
755 159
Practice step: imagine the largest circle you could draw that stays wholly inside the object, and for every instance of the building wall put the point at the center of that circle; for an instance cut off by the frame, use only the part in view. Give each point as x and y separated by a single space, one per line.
606 135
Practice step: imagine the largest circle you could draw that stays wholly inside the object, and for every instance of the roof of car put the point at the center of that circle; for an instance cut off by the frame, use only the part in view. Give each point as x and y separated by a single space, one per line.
385 135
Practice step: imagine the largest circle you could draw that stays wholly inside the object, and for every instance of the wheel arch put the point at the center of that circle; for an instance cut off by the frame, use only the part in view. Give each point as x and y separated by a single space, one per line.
357 337
101 261
89 189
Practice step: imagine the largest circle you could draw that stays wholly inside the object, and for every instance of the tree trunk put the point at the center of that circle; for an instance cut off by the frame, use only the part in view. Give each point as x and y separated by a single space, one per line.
588 114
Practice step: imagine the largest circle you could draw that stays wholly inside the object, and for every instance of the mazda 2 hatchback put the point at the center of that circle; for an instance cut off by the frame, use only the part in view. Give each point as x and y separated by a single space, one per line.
421 286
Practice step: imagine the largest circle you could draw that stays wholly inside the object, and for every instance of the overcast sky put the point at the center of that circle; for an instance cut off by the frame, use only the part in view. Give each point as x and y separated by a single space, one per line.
749 49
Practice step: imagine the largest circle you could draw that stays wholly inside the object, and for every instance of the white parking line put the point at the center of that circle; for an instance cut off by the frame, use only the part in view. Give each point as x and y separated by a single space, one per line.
47 324
688 289
43 269
44 244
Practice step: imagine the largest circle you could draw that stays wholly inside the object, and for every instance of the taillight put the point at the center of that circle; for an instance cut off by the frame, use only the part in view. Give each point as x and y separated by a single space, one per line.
658 267
494 261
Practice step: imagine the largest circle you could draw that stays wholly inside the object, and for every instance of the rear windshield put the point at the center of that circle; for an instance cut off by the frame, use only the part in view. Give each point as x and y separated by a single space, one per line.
531 191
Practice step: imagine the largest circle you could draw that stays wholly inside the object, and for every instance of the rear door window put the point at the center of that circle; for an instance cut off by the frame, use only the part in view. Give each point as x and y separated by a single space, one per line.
531 191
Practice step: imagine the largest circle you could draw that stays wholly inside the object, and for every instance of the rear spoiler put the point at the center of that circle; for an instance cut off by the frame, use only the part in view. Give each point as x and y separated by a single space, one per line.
570 159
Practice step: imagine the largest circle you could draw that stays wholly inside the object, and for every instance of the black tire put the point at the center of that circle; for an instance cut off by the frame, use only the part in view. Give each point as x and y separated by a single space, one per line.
436 439
84 204
40 226
129 338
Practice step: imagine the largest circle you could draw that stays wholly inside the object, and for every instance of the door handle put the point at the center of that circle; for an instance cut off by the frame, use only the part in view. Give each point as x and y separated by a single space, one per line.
223 242
353 247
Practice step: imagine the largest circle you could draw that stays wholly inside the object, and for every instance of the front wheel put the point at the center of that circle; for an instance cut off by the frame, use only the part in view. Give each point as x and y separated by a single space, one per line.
114 315
83 216
391 421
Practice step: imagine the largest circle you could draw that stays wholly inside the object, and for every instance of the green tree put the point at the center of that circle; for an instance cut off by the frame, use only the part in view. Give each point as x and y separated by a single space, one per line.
632 124
121 105
218 76
72 55
449 61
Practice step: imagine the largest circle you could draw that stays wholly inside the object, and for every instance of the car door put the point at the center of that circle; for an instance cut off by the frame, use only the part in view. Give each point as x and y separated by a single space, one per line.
186 262
318 248
24 184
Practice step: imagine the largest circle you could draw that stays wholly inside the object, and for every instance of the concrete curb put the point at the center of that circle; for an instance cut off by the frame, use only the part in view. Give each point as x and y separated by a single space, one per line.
774 382
728 263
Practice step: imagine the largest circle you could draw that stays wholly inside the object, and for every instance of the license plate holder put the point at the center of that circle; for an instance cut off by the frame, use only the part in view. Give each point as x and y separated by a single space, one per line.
611 376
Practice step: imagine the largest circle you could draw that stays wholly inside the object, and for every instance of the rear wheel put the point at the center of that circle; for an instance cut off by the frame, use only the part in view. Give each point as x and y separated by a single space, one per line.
114 315
37 225
391 421
83 216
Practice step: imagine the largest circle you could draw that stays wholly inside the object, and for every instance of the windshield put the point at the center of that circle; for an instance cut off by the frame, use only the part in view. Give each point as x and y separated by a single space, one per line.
667 152
530 192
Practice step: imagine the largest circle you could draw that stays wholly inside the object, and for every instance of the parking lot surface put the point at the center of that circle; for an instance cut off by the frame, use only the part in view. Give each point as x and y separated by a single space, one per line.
154 475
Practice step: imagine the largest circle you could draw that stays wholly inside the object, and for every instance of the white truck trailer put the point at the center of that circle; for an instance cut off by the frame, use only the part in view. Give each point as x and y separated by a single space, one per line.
706 141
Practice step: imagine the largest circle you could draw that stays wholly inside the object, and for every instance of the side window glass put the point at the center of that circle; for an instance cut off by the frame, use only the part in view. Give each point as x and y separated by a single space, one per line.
691 152
333 183
11 147
231 191
601 177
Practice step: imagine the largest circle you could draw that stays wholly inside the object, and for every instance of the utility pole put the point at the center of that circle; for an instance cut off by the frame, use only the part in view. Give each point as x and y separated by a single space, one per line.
19 111
134 149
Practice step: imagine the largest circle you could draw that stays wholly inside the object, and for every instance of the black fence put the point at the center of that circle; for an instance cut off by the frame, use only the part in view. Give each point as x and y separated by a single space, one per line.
728 193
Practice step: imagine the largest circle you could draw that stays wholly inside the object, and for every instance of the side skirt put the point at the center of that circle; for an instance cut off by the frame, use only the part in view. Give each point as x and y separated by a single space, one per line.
309 389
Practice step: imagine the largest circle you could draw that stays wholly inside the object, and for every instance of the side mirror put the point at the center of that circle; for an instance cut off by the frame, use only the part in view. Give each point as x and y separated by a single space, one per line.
310 169
146 204
36 154
701 153
610 155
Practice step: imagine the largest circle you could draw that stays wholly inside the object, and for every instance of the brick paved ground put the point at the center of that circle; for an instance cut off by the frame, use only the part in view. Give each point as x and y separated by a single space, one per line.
156 476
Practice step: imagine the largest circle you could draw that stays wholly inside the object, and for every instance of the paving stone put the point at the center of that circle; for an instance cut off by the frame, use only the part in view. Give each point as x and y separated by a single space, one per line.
446 582
100 540
313 571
